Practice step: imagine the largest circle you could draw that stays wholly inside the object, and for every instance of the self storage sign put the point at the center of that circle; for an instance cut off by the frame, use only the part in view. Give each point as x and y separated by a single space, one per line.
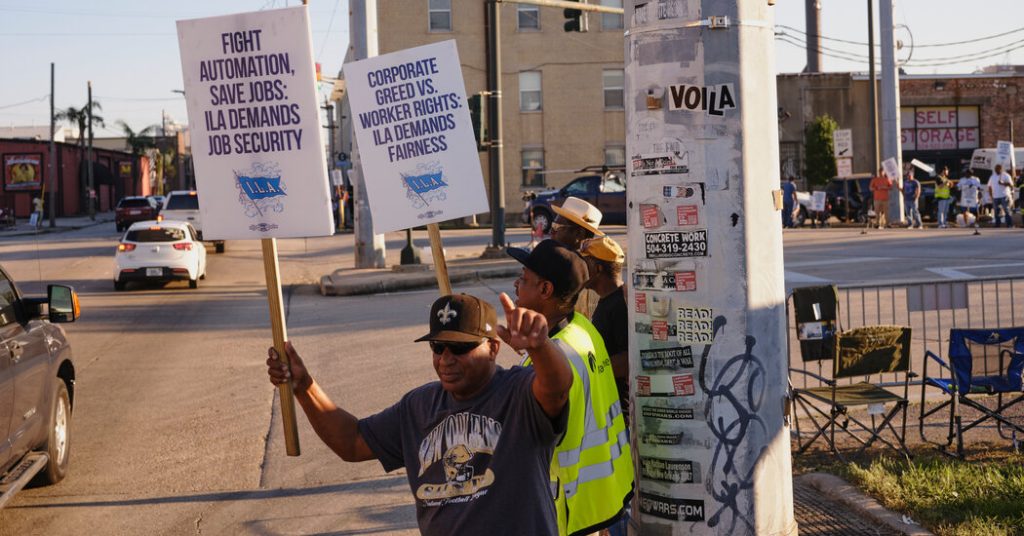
672 244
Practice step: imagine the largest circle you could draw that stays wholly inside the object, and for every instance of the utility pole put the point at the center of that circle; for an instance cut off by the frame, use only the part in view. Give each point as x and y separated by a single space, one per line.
91 193
891 141
495 150
53 155
874 87
709 365
369 247
812 16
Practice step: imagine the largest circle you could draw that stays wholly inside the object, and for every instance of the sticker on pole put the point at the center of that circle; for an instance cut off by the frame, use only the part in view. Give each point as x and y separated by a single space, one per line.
260 164
415 137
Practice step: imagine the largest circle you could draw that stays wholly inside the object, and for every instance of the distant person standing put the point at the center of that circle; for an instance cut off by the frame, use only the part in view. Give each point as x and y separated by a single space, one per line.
37 210
970 191
1000 187
789 203
911 194
880 186
943 185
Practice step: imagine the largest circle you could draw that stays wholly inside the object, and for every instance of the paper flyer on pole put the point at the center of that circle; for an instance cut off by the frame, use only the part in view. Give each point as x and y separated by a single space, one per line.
250 87
415 137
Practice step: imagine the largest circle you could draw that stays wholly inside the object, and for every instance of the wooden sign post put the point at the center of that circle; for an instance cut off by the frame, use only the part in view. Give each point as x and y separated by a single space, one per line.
280 334
440 265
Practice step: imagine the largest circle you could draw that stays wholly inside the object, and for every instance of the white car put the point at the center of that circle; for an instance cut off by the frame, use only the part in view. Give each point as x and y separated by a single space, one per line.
159 252
183 205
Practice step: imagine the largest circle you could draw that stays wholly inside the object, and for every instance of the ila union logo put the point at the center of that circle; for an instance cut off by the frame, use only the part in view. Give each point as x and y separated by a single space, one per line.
425 185
261 192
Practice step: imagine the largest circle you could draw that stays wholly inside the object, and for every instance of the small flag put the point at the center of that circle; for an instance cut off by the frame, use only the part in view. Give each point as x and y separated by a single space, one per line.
261 187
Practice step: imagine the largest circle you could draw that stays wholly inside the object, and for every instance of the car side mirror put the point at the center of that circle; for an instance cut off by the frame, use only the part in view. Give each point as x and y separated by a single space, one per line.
63 303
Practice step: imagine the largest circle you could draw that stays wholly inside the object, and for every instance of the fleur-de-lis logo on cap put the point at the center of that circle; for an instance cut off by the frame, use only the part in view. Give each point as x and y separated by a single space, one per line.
447 314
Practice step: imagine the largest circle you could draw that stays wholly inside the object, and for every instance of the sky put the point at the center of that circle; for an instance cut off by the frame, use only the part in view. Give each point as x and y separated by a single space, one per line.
129 49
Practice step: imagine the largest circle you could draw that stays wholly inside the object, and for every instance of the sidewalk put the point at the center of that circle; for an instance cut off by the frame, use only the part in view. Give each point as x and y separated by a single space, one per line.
68 223
352 282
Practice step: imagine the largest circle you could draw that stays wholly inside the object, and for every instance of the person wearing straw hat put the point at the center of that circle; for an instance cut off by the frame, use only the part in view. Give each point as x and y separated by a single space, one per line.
605 262
575 221
593 478
476 441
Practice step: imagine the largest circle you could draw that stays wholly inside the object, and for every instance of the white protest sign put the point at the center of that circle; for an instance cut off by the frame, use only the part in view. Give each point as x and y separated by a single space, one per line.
250 89
415 137
891 169
842 143
818 201
844 167
1004 155
922 166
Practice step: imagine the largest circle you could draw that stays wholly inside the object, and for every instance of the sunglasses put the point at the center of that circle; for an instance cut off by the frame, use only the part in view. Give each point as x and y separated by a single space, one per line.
456 348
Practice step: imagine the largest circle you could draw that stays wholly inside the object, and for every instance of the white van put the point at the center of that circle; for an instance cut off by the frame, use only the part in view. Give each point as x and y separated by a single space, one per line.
983 158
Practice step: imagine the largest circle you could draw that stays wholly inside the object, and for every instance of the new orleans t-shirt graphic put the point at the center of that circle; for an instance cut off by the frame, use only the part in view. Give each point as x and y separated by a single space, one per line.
455 459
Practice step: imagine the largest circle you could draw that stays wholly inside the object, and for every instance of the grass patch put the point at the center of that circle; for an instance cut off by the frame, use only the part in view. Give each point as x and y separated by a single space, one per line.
982 496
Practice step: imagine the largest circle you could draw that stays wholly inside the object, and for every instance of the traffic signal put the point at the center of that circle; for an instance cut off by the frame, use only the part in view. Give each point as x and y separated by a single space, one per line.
478 114
575 19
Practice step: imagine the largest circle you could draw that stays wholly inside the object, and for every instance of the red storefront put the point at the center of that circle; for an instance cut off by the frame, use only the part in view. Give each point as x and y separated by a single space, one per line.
25 174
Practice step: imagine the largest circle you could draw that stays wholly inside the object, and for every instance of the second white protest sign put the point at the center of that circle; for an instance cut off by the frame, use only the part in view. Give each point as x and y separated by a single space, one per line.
415 137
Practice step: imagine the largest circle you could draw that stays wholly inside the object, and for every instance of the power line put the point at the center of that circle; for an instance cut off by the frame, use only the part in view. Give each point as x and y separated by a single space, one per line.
825 52
329 26
952 43
30 101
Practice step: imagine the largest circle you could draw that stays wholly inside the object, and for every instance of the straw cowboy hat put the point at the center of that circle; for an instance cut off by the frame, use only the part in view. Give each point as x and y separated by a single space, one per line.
581 213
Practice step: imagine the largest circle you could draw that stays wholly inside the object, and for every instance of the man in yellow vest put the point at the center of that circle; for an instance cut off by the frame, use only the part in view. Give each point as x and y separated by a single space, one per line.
942 196
592 469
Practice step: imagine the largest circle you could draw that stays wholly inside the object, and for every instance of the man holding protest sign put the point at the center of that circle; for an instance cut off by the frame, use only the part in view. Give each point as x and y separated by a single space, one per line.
473 443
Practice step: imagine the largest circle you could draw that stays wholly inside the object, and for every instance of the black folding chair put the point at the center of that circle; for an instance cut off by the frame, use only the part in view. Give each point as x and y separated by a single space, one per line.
867 351
982 363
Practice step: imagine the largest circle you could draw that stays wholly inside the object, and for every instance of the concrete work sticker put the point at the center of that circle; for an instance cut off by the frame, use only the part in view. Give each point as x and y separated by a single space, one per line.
671 244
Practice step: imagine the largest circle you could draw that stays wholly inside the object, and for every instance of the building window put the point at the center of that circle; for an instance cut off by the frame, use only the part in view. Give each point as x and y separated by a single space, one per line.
529 91
609 21
613 84
528 17
440 13
533 167
615 156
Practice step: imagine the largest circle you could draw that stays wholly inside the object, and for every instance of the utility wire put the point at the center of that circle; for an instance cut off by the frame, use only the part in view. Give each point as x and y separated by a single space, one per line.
329 26
30 101
952 43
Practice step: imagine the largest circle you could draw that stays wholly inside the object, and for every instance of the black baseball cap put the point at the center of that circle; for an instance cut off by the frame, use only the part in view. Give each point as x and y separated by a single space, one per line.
461 318
554 262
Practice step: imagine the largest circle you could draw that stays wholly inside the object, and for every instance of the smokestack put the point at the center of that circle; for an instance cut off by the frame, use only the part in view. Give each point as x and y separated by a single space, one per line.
812 12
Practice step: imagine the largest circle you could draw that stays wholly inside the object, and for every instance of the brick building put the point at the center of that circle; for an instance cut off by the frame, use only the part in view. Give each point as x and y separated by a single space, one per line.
943 118
24 164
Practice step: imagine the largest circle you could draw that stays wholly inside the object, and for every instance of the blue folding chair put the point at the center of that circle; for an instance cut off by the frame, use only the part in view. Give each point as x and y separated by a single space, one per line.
982 363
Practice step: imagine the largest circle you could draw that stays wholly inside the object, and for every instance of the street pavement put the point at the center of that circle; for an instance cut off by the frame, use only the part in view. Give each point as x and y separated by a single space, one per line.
301 495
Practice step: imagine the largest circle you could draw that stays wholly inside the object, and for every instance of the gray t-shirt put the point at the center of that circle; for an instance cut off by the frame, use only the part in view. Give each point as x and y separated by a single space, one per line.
478 466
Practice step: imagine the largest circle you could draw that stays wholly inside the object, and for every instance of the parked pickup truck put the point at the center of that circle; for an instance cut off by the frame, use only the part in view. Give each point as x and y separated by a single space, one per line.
183 205
37 386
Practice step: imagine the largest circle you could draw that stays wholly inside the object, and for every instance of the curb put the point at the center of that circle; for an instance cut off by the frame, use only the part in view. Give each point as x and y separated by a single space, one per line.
49 230
841 491
328 287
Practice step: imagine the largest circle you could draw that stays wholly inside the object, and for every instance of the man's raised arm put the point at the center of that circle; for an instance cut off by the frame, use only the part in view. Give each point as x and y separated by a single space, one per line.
528 330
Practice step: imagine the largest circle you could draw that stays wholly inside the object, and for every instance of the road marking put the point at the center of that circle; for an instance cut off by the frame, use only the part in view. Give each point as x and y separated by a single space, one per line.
954 272
846 260
797 277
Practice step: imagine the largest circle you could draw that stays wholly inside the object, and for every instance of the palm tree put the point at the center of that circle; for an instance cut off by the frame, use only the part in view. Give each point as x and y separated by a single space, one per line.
80 117
138 142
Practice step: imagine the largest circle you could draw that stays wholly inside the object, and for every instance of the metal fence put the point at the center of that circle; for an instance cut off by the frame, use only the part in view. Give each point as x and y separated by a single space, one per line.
928 308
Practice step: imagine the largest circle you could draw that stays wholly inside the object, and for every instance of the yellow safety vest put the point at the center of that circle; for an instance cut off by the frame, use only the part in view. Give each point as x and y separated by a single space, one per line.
592 469
942 190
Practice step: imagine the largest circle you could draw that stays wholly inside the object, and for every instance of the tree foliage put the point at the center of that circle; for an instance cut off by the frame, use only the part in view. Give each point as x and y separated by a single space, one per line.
819 161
